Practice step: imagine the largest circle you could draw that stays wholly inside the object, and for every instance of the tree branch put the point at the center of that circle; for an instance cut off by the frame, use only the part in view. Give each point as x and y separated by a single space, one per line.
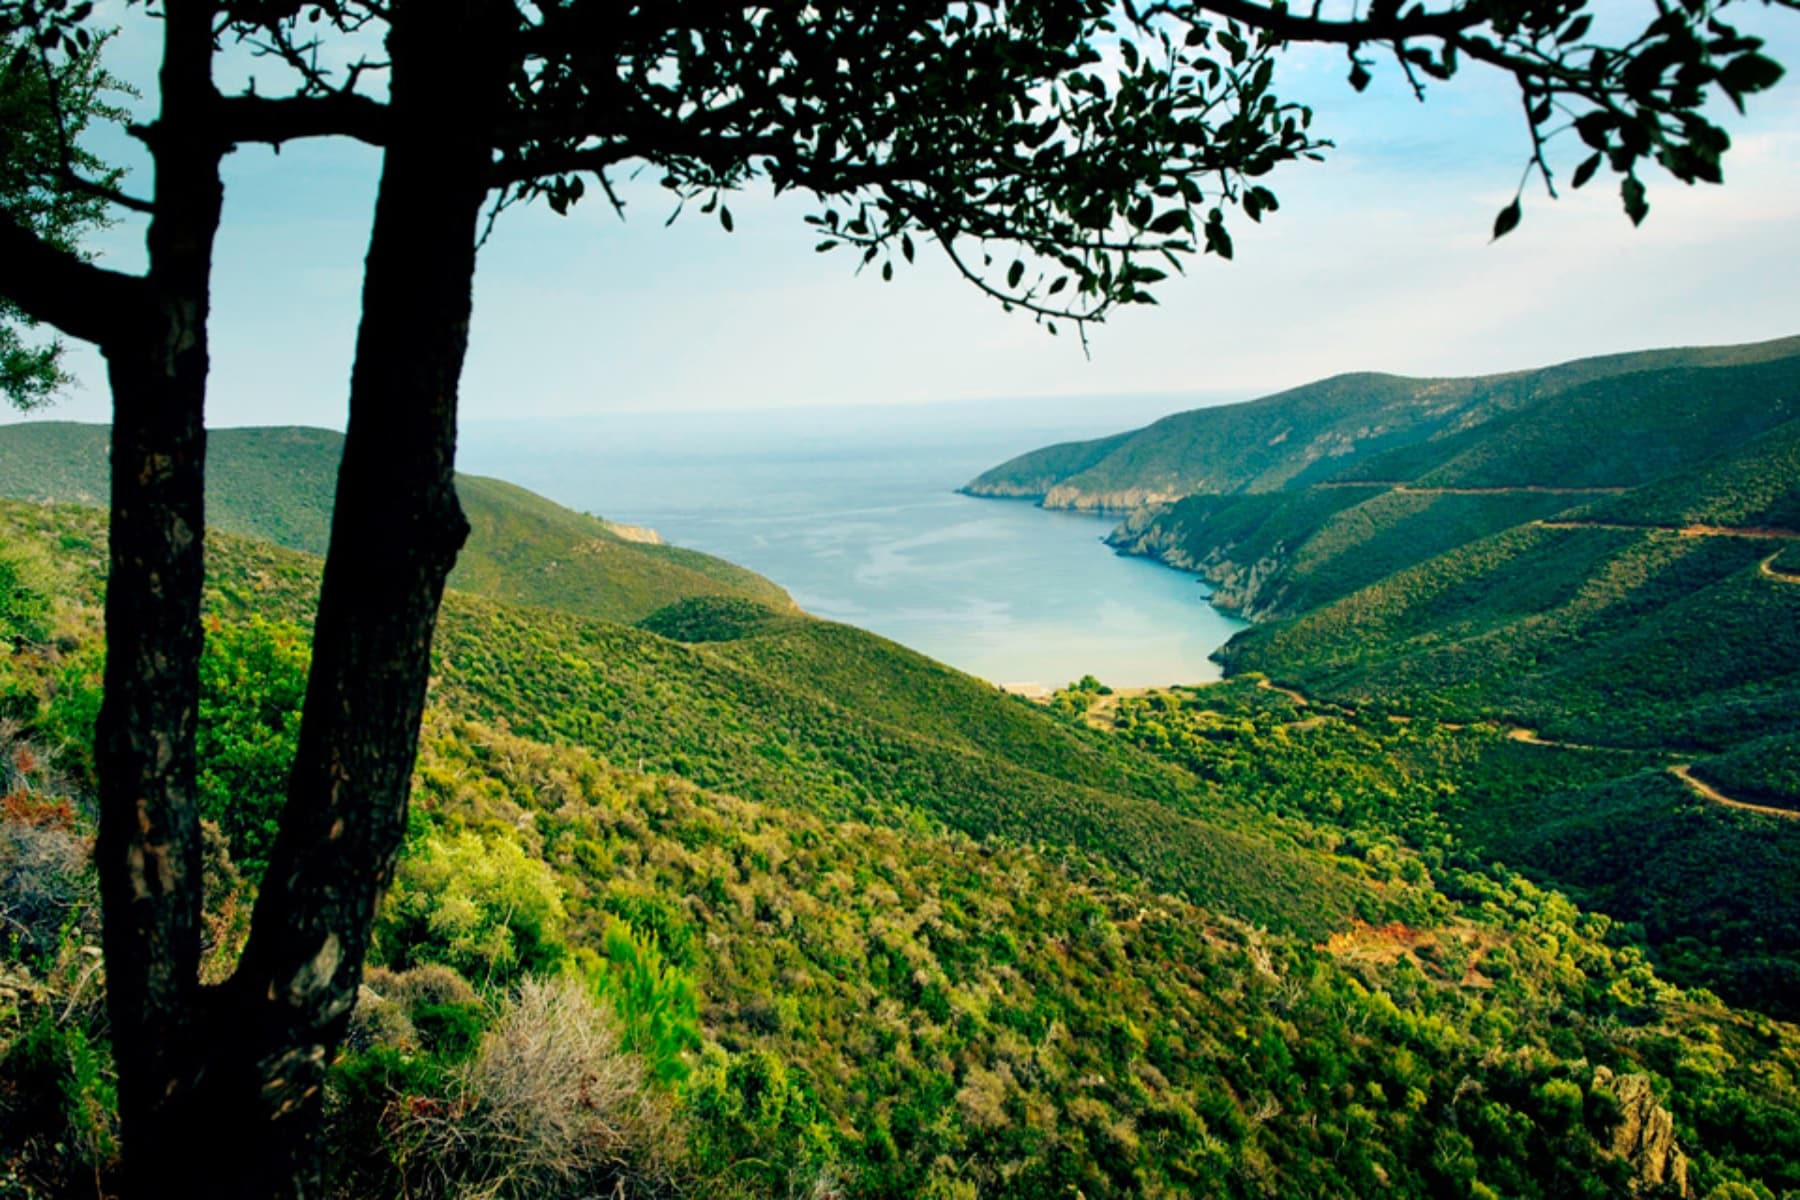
59 289
1290 26
274 121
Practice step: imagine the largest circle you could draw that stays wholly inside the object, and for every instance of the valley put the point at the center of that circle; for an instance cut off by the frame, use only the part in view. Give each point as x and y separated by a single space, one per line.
1478 863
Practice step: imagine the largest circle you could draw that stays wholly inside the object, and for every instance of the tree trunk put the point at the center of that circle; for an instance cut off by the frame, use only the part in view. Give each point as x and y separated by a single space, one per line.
396 529
148 852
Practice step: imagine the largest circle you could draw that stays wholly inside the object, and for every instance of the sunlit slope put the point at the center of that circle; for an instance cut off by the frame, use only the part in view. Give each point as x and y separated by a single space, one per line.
1281 553
814 716
1620 431
277 484
525 549
1649 618
1319 431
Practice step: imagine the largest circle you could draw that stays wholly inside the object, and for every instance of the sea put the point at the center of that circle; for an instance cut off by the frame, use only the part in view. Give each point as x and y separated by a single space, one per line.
855 512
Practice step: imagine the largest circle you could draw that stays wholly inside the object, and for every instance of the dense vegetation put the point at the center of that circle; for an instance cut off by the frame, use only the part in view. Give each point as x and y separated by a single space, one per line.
1344 426
1616 636
728 901
277 484
602 976
1690 444
1601 551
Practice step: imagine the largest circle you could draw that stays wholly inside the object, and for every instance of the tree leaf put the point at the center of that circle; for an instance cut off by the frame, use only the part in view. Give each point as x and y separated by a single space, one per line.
1750 73
1632 193
1508 220
725 218
1015 273
1585 171
1170 221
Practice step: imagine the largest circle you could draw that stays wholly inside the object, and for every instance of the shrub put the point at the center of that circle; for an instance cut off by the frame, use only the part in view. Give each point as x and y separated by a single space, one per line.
657 1004
477 904
25 585
551 1105
252 684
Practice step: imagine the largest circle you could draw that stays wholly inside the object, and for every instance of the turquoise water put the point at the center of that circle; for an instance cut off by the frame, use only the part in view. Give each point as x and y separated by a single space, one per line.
855 514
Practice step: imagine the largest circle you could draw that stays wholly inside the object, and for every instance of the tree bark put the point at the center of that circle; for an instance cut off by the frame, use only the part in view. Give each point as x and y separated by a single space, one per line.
396 529
148 849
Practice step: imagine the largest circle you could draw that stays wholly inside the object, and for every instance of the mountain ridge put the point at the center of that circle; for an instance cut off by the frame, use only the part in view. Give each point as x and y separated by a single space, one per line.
1313 432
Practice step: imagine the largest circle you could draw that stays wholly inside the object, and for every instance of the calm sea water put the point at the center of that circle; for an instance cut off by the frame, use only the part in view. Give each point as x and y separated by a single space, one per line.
855 514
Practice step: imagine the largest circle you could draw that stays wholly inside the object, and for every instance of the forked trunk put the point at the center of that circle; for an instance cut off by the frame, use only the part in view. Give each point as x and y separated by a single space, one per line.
396 529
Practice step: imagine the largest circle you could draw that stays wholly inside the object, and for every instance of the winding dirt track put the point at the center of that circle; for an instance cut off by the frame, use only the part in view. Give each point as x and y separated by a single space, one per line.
1269 686
1684 772
1768 568
1738 531
1528 489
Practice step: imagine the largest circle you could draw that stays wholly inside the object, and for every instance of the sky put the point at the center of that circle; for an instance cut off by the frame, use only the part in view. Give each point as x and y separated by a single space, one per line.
1379 259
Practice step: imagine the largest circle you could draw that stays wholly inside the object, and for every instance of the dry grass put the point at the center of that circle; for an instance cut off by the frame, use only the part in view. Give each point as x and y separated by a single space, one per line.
551 1105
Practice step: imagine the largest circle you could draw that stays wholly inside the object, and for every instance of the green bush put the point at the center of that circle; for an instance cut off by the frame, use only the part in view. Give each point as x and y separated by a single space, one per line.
656 1003
252 685
476 903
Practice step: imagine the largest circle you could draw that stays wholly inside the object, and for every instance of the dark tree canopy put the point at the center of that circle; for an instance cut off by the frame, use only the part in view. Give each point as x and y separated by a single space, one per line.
41 160
1065 154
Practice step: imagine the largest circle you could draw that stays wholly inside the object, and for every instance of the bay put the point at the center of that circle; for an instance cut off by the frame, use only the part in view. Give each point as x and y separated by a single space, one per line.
855 513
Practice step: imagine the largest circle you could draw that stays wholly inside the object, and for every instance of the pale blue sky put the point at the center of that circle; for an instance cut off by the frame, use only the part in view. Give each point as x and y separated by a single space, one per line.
1379 259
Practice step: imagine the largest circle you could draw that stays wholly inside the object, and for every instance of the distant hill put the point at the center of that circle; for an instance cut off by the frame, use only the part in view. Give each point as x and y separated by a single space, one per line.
1283 552
1327 430
1605 551
1637 619
276 483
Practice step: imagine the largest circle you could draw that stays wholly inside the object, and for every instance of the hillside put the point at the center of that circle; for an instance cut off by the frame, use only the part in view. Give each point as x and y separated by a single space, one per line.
782 909
1638 619
1330 429
1273 554
277 484
804 713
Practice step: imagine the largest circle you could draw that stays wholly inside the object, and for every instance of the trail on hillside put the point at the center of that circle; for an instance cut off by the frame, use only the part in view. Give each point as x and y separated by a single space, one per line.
1739 531
1269 685
1767 567
1524 489
1531 737
1684 772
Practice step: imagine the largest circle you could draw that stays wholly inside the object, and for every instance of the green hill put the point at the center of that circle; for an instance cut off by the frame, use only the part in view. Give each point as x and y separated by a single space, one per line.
1609 624
1336 428
1279 553
796 911
277 484
809 714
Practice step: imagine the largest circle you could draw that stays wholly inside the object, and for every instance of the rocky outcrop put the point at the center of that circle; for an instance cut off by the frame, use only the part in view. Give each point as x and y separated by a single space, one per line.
1124 500
1246 590
1031 489
641 534
1645 1135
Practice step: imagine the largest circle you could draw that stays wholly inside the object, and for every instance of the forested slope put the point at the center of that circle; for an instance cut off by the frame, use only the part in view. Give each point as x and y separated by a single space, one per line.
922 951
1649 618
1343 426
1285 552
277 484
